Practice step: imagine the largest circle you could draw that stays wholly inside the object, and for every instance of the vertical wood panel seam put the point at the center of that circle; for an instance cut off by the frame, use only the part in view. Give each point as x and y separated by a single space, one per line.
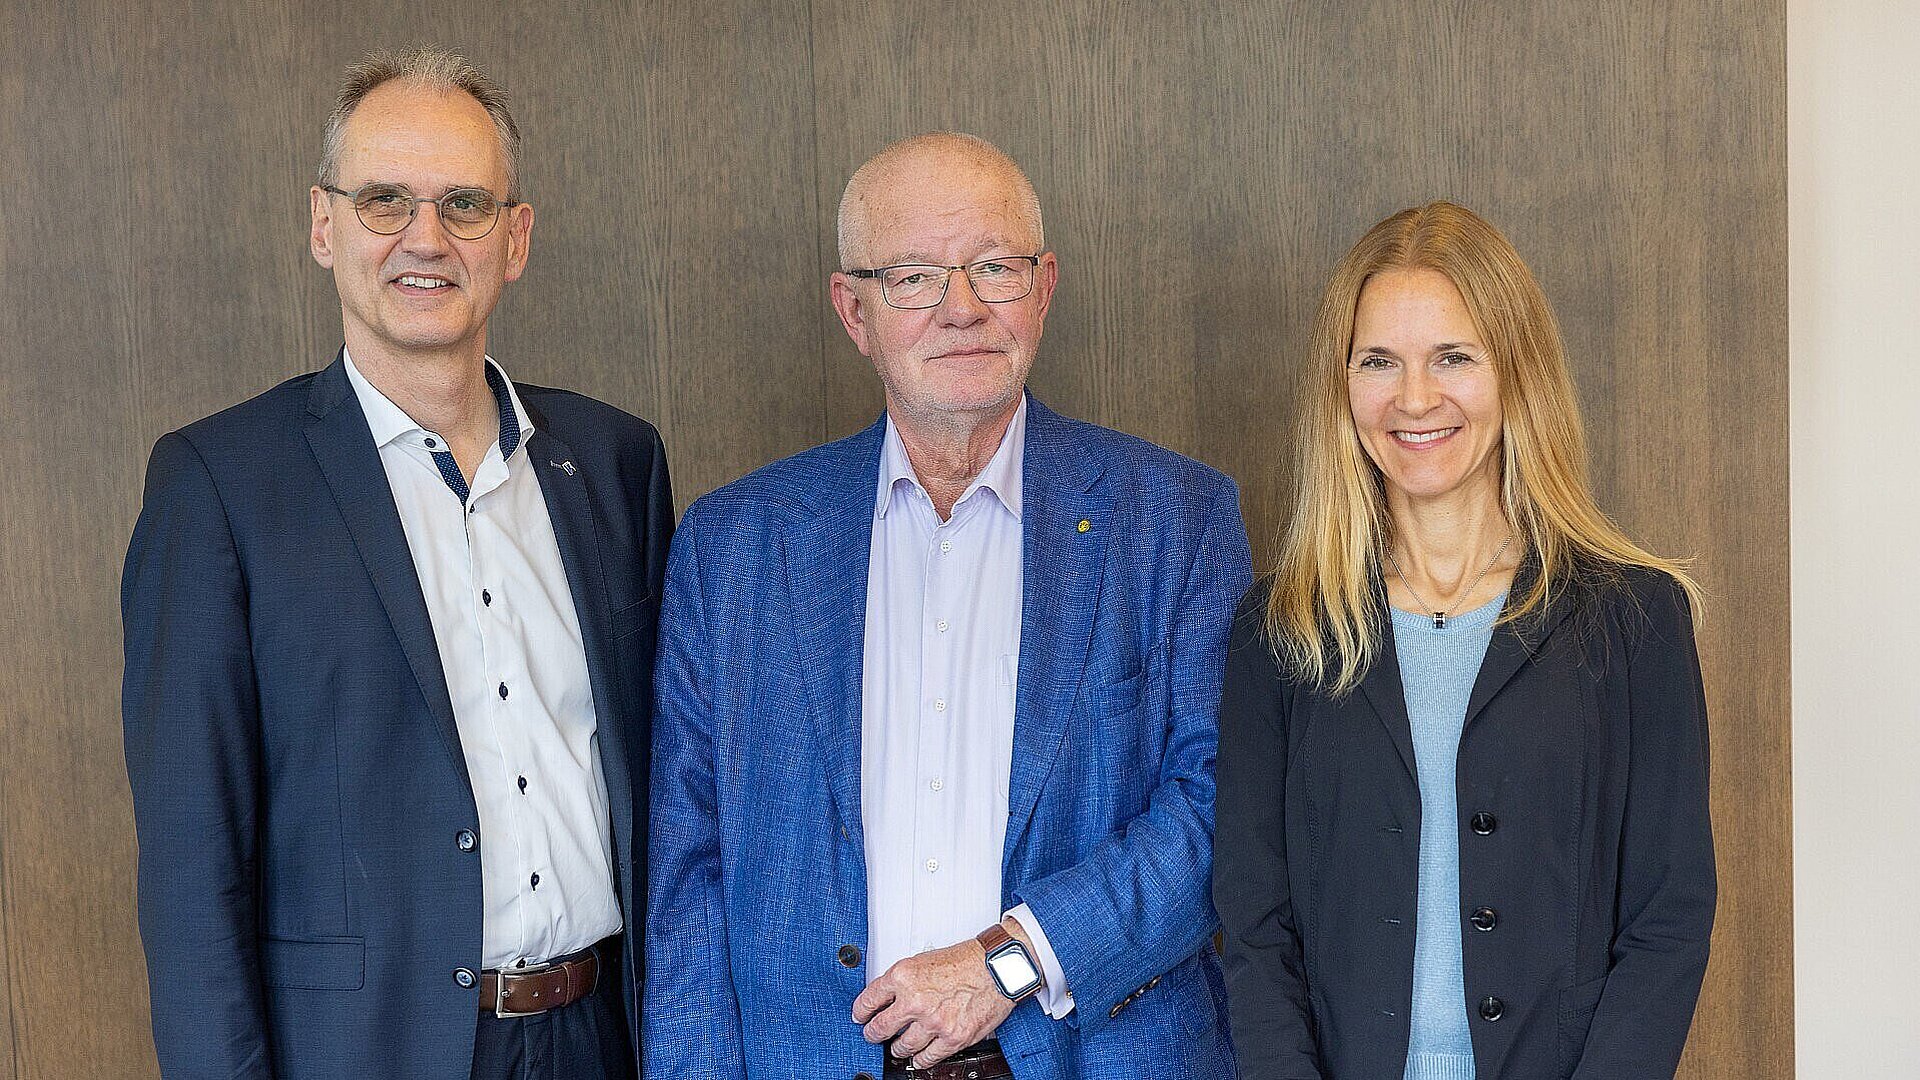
823 336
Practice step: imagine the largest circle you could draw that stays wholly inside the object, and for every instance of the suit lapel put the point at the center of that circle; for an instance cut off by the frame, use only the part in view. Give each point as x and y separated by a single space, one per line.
826 556
1062 571
1514 644
343 446
570 509
1382 688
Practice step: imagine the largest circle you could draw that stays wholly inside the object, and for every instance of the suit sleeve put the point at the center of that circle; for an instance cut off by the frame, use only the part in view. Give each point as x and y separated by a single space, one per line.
1138 904
191 715
690 1016
1664 912
1268 1004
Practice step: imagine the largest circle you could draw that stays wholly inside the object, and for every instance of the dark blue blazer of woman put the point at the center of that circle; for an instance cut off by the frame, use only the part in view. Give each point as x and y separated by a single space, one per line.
1586 857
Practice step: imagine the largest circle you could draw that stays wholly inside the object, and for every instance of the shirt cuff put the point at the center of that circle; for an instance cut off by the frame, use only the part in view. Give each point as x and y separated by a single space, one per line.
1055 999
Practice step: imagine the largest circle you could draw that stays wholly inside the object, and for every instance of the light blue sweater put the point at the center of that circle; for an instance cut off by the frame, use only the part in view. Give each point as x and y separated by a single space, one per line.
1437 670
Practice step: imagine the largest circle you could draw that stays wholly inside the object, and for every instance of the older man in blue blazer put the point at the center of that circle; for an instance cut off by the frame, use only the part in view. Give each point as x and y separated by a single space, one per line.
935 721
389 633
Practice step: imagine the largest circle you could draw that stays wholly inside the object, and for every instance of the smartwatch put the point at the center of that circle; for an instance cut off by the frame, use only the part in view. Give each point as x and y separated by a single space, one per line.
1012 970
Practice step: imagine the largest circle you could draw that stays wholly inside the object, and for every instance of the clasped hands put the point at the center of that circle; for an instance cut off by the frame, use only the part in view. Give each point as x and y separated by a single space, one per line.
936 1003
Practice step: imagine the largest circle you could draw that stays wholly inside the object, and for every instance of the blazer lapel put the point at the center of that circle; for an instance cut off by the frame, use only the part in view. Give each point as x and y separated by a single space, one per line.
343 445
1384 691
1065 520
1514 644
570 508
827 555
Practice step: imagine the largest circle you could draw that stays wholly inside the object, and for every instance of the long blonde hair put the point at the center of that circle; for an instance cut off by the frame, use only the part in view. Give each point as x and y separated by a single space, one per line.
1324 615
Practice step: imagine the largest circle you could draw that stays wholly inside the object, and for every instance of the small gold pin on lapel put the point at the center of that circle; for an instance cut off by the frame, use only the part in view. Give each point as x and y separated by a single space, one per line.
1085 525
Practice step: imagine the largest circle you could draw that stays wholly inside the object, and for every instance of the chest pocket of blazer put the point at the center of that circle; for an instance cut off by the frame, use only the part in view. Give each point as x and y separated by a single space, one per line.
1115 697
320 964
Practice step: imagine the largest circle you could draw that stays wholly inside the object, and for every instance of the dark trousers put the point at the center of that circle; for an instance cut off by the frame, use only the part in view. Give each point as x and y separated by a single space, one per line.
586 1040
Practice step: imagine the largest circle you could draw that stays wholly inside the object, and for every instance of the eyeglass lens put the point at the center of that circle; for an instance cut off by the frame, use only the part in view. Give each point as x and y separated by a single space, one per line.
467 213
994 282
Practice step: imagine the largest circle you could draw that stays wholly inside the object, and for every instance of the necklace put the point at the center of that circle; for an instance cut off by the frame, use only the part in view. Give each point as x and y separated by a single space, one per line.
1440 617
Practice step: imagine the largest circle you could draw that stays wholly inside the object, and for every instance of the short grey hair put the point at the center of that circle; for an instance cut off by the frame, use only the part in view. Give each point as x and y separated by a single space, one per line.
435 67
851 223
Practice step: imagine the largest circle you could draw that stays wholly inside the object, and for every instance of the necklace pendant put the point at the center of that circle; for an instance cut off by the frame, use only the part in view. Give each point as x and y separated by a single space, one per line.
1439 620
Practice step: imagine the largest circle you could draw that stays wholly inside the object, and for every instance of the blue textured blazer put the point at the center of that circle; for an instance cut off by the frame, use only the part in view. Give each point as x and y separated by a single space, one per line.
309 858
757 867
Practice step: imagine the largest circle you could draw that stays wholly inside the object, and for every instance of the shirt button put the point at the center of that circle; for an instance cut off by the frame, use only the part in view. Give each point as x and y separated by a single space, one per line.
933 866
946 546
503 691
523 785
939 704
1484 919
1492 1008
486 598
1483 823
431 445
941 626
536 880
463 978
936 783
465 840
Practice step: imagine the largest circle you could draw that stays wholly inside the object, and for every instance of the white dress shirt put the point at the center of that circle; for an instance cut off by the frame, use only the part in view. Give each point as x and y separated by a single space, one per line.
939 670
510 646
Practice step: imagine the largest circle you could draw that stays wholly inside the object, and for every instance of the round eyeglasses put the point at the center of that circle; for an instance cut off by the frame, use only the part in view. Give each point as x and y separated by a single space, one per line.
466 213
912 286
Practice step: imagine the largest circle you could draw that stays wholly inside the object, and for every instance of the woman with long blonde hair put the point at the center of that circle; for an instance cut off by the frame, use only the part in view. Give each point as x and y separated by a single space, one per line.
1461 823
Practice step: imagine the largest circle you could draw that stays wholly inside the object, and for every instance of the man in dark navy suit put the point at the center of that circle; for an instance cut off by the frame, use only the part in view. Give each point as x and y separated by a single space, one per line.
389 641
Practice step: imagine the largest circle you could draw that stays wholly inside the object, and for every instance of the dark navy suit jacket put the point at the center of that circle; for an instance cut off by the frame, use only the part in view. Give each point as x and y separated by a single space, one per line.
309 872
1134 557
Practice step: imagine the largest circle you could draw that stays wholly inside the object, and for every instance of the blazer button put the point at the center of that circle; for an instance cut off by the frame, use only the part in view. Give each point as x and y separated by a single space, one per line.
1483 823
850 956
862 1076
465 840
1492 1008
463 978
1484 918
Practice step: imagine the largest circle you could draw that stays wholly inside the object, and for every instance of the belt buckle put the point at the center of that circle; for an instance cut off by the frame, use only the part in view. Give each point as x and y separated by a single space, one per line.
500 1009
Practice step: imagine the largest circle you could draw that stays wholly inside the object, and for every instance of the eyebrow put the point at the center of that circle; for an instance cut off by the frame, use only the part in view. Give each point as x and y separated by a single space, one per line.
916 257
1443 346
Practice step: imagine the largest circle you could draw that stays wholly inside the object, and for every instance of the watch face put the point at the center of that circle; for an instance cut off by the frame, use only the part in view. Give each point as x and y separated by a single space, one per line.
1013 971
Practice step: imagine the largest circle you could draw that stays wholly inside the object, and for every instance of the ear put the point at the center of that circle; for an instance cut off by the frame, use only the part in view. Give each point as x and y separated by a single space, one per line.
519 235
320 240
1046 279
851 309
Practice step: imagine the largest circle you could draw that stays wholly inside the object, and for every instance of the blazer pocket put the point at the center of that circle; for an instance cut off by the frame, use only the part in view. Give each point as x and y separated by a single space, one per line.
1577 1006
1113 698
320 964
635 617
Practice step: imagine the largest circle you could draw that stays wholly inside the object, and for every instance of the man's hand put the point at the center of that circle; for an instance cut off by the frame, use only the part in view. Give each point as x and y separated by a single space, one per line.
935 1003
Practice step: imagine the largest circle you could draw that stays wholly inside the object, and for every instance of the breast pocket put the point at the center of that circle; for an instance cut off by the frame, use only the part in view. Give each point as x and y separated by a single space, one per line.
318 964
1115 697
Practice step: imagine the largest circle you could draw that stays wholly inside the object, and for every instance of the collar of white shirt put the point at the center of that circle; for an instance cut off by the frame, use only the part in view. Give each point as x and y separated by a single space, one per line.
389 421
1002 475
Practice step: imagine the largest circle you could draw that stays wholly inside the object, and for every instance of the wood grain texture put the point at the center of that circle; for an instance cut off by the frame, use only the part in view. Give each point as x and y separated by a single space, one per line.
1201 171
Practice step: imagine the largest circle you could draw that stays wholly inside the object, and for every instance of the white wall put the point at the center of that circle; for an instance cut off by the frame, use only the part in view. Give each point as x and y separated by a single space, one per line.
1853 158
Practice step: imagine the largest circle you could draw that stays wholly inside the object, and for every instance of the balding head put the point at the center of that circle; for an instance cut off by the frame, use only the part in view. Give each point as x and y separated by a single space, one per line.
947 157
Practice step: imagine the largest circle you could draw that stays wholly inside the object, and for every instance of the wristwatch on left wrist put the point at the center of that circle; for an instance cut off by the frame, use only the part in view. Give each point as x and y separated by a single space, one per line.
1012 970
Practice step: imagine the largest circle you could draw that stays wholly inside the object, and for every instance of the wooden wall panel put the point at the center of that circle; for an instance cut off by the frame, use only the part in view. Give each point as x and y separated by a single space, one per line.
1201 171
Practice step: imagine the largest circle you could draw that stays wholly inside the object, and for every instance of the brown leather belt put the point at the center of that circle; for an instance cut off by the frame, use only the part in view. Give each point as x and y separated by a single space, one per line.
981 1061
530 990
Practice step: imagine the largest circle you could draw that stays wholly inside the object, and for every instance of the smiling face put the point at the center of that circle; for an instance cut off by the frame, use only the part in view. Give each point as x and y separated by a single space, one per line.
420 290
964 361
1422 388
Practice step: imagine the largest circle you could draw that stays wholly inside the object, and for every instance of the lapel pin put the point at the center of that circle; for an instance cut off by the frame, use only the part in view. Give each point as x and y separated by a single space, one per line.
1085 525
563 466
